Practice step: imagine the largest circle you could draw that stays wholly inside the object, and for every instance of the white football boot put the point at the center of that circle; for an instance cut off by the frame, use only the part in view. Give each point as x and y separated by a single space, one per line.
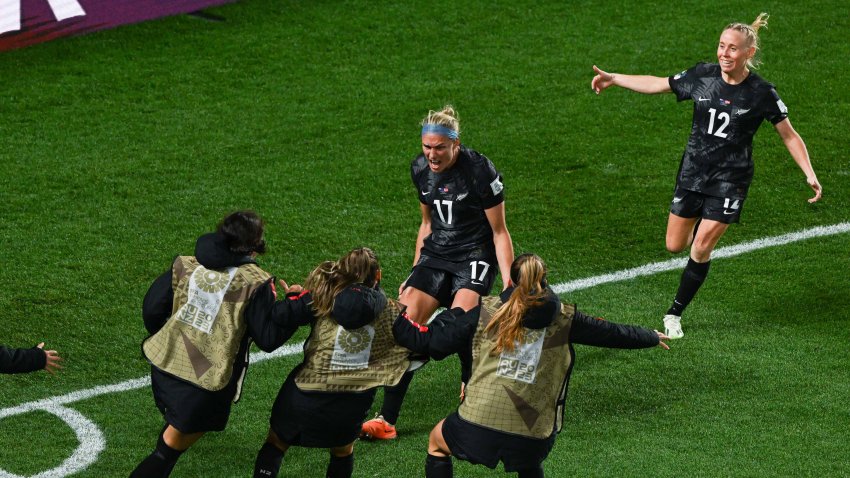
673 326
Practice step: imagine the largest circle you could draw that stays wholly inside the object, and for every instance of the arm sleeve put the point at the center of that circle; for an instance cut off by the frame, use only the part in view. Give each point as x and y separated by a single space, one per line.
272 322
774 109
21 360
682 84
158 302
448 333
598 332
358 305
490 188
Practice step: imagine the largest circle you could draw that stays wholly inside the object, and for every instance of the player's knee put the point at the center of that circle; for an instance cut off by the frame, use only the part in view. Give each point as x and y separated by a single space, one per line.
436 443
343 451
676 246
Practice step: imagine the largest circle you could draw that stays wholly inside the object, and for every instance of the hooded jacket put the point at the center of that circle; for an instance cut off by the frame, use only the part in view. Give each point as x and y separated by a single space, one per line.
191 345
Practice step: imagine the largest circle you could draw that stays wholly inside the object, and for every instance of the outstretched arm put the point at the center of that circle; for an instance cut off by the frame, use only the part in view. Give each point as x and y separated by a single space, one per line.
588 330
28 360
272 322
641 83
798 151
448 333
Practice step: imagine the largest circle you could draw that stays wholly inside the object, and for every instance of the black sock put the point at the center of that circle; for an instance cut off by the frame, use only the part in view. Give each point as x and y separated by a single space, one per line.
341 467
692 278
438 467
159 463
530 472
393 398
268 461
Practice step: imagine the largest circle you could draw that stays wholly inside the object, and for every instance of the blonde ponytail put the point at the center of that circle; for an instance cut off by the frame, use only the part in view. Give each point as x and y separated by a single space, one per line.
751 35
528 273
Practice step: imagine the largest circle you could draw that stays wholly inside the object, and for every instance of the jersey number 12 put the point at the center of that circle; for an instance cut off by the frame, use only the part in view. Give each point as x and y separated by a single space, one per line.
724 117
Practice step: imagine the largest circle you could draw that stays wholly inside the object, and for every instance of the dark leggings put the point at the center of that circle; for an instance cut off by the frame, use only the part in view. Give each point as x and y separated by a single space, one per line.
394 397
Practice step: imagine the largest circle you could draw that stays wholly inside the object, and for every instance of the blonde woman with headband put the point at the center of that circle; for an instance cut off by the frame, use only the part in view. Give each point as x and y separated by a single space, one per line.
462 241
521 344
730 102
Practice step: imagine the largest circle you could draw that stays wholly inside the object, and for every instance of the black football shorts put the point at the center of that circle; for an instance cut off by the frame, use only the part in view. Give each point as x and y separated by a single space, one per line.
689 204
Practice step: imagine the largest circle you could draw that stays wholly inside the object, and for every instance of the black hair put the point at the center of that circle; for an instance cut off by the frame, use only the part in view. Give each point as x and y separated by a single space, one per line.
243 232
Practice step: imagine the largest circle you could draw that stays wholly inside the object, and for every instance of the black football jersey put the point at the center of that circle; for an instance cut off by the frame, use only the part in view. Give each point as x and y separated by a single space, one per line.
718 159
458 198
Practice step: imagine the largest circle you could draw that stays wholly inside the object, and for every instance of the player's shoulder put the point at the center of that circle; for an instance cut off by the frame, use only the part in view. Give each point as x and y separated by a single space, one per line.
700 70
476 163
757 83
707 69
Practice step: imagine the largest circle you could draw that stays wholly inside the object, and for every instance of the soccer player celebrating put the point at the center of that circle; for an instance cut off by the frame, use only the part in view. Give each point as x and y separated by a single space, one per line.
522 355
730 102
202 315
350 352
462 238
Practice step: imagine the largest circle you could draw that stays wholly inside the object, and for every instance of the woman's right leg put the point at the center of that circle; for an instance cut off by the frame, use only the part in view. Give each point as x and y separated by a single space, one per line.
438 463
270 456
169 446
420 307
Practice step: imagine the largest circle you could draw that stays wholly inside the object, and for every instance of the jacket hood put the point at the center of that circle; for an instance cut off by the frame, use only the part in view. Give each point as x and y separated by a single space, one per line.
212 252
541 316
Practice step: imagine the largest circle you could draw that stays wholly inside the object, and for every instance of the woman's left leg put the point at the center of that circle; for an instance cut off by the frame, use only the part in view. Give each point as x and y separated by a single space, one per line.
707 236
438 463
169 446
341 464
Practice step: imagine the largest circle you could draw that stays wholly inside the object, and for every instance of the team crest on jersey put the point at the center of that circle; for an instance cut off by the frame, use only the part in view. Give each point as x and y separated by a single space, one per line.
496 186
679 75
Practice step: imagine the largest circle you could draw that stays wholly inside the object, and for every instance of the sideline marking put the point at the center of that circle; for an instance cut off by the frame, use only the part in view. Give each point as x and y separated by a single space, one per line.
91 438
727 251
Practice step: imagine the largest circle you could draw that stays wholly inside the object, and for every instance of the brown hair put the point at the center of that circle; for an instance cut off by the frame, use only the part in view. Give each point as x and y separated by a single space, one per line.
528 273
751 33
330 277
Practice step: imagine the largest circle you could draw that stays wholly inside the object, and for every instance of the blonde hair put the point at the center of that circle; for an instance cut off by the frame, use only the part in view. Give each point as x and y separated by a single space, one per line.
447 118
751 34
528 273
330 277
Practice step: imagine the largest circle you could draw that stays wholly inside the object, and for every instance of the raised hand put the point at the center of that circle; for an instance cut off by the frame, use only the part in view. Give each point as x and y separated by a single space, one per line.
601 81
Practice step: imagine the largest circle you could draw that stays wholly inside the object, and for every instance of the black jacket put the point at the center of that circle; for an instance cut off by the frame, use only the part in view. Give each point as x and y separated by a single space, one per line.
21 360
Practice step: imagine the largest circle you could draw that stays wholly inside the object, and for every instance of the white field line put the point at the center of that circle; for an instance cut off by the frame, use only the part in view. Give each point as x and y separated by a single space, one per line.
91 438
728 251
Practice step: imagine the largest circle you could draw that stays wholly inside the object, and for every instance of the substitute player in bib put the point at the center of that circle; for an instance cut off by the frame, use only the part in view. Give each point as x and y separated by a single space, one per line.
462 241
730 102
522 355
202 315
350 352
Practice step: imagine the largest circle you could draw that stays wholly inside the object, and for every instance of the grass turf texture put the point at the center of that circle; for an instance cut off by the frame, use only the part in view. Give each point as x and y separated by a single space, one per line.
122 146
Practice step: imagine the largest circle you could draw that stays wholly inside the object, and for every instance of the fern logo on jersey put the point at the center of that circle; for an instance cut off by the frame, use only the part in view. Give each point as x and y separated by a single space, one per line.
27 22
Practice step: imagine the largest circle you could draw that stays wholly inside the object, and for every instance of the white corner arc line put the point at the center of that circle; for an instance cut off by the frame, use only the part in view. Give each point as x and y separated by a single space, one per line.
91 438
679 263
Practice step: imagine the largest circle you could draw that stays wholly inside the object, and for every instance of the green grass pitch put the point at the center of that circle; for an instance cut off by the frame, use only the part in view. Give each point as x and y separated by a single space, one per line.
121 147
